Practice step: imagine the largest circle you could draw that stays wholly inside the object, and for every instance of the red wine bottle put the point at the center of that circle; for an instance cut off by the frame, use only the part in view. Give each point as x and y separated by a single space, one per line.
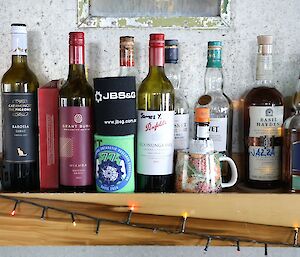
76 122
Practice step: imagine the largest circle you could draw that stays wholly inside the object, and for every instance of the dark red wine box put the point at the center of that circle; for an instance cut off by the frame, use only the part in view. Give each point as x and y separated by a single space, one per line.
48 135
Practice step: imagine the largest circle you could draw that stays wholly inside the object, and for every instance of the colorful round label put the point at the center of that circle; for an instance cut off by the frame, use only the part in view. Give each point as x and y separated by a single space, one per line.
113 168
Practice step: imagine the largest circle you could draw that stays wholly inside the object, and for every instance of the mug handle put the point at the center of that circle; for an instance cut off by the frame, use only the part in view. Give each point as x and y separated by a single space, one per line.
234 173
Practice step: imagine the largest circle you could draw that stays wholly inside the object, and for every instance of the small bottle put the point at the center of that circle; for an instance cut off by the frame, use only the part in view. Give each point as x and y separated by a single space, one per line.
76 122
181 119
263 120
291 147
155 137
201 142
218 103
127 67
19 119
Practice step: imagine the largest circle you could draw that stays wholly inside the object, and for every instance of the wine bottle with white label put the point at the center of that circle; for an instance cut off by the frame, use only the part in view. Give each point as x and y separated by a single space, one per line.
220 129
155 140
263 119
19 119
181 119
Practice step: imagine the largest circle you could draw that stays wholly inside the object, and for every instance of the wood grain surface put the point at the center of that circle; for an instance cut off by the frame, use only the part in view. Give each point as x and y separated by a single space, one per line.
226 214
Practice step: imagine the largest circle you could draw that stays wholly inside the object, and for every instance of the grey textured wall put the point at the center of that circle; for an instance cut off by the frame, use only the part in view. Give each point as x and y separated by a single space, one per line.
49 22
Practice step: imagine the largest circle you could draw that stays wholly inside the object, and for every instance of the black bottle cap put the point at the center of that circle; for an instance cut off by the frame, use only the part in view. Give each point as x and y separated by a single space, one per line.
171 51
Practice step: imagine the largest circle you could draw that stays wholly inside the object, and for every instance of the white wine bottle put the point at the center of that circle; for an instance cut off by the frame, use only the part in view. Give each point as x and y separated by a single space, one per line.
19 119
155 140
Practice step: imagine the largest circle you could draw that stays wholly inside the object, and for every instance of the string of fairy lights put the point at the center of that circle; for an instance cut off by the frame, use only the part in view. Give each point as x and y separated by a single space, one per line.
181 230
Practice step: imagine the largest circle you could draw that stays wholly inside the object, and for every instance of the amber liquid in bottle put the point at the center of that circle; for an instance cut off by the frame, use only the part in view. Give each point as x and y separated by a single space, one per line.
263 119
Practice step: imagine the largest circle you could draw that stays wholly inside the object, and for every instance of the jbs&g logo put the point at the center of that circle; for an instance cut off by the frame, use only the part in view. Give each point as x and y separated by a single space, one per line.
99 97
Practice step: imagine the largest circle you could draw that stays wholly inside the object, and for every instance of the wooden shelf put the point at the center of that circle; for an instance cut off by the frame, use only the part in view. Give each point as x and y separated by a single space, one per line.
262 217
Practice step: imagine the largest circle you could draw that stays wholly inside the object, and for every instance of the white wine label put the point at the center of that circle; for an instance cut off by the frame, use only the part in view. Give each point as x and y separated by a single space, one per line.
265 121
218 133
181 131
264 163
155 142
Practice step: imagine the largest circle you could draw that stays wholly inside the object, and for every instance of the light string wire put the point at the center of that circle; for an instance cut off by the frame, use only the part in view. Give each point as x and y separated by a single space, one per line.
98 221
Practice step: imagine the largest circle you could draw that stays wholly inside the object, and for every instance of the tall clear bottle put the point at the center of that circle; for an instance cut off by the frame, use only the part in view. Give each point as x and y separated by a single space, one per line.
127 65
155 137
181 119
19 119
263 120
220 130
76 122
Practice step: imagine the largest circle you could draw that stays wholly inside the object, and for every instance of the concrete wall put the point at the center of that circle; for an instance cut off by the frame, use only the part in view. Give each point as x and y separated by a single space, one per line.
49 22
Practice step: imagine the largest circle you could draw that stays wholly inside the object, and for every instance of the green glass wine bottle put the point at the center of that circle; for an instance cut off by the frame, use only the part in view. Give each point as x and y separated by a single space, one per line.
155 140
19 119
76 122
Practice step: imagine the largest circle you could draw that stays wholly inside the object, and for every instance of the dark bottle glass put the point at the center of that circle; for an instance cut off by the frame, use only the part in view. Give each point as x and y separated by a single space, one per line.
19 119
263 119
76 122
155 139
291 147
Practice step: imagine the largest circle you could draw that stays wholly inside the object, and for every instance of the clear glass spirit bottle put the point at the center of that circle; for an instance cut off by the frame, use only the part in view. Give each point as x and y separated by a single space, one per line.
181 119
220 106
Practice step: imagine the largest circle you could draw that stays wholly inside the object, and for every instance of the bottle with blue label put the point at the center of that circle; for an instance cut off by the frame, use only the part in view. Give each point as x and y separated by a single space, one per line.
291 147
114 163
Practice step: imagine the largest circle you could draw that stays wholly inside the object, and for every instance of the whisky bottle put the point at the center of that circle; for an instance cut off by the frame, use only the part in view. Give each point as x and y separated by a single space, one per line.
263 120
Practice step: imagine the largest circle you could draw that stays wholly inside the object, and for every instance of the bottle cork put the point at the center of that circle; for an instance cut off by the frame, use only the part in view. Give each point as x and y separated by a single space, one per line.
265 40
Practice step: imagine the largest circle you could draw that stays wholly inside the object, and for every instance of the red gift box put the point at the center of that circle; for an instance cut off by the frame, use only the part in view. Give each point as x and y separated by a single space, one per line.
48 96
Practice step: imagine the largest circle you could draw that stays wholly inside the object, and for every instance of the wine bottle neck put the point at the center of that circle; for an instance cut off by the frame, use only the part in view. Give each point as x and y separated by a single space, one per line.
156 56
156 70
76 71
76 54
19 60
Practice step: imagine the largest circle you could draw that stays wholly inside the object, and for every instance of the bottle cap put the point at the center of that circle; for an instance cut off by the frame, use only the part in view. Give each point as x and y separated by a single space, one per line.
202 114
214 54
171 51
18 28
265 40
215 43
157 40
76 38
127 42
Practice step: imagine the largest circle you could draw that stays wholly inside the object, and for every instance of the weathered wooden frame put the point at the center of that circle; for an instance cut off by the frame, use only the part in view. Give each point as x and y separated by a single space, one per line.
86 20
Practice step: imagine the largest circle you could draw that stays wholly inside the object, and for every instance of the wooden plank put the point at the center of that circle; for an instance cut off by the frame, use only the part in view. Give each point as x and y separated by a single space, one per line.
227 214
267 209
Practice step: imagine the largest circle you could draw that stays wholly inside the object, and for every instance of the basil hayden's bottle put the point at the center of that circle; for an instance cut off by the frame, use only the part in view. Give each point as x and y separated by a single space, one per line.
19 119
76 122
155 139
263 119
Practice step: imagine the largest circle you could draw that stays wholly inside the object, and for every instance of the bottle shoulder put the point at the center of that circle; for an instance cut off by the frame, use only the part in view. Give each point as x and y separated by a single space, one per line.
19 74
156 84
76 88
264 96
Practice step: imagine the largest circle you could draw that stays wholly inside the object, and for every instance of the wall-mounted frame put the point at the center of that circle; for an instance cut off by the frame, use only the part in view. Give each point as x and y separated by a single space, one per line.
213 14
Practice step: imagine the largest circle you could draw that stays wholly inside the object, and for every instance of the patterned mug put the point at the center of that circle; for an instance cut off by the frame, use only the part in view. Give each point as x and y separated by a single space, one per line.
201 173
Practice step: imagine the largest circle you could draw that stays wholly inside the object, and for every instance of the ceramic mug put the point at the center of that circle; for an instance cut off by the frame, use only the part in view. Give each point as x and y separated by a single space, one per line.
201 173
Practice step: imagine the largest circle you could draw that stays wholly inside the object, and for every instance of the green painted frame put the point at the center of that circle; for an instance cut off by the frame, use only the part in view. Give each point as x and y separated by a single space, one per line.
86 20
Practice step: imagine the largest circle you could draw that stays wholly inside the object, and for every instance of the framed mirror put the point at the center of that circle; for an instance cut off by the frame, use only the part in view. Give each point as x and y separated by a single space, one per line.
195 14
